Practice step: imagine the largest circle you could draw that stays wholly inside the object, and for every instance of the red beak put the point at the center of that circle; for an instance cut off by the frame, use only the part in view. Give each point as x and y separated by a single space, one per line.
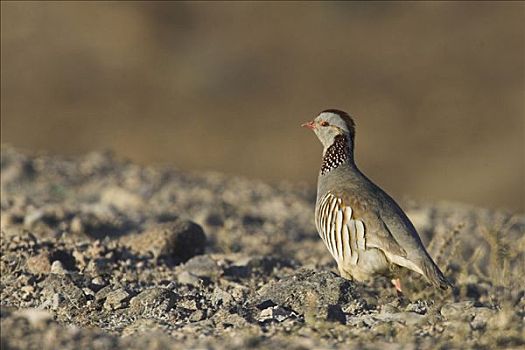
309 125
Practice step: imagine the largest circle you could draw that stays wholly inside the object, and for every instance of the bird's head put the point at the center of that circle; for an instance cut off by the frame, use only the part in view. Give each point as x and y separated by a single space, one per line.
331 123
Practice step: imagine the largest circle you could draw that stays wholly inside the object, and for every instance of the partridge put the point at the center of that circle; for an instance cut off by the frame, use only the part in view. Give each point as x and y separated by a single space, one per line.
365 230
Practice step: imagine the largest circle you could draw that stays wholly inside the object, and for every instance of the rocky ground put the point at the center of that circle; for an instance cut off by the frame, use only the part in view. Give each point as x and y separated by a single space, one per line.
104 254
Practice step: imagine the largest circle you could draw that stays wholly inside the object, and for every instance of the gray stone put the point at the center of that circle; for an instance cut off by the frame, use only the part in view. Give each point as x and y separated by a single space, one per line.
58 268
61 290
116 299
275 313
310 292
406 318
97 284
457 311
144 325
482 315
158 299
188 278
221 297
39 264
180 239
197 315
103 293
202 266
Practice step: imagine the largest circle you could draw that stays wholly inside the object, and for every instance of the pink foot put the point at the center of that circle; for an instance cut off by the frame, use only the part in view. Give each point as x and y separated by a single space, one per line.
397 284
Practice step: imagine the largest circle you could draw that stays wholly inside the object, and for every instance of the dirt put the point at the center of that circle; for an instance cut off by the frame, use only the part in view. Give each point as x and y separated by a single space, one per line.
101 253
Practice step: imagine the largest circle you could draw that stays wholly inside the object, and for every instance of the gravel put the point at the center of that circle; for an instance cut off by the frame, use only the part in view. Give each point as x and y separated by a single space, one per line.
104 254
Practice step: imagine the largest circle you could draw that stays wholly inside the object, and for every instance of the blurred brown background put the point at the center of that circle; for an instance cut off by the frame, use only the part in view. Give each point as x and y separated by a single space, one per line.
437 89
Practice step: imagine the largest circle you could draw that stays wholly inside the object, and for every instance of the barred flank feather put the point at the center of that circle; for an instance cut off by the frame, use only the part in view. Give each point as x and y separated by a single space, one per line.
342 235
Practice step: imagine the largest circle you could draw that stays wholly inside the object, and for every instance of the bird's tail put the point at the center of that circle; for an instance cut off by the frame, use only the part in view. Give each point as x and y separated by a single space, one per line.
434 274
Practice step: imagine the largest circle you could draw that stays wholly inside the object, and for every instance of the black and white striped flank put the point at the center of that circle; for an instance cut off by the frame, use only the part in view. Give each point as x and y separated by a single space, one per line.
343 236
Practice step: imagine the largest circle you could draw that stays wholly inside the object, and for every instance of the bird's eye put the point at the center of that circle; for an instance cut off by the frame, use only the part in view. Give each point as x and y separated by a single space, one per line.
324 123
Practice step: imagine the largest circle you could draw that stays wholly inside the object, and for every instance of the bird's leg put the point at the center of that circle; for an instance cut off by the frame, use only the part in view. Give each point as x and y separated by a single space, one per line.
397 284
